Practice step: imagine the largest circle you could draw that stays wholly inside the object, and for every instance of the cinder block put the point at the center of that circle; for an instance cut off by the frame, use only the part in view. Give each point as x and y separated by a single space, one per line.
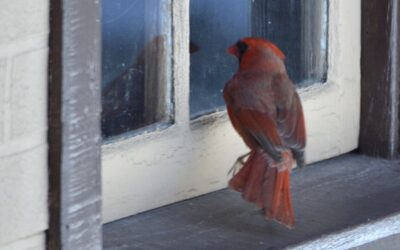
3 85
29 93
20 18
23 196
36 242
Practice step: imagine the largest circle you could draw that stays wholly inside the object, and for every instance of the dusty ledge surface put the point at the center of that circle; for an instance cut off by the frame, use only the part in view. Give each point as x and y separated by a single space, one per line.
330 196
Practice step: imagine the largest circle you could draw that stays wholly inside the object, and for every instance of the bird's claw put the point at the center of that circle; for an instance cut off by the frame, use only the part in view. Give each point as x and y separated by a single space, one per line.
238 164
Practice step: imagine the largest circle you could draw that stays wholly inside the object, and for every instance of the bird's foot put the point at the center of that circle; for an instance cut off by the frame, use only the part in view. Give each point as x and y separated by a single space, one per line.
238 164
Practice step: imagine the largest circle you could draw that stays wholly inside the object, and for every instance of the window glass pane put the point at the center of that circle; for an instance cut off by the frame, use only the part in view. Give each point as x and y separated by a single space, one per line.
298 27
136 40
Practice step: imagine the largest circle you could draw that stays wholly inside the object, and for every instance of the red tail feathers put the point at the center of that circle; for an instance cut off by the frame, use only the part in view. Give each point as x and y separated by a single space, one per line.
267 184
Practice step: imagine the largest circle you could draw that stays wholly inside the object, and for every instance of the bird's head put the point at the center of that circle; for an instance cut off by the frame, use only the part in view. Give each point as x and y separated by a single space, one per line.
250 49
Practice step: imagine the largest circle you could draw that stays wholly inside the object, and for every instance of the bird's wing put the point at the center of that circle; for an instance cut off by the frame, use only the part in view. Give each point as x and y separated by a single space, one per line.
290 117
256 111
291 124
253 114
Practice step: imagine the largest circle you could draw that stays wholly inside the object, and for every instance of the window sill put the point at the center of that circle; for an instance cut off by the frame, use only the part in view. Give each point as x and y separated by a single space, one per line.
344 202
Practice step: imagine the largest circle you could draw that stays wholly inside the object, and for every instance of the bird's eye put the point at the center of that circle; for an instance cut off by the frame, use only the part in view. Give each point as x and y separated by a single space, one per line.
242 47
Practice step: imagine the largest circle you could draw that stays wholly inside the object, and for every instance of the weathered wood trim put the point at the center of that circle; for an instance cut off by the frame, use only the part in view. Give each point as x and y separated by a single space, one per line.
379 135
74 125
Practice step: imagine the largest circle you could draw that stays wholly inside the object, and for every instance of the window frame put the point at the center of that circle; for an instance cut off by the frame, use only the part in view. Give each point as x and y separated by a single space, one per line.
192 157
380 92
158 106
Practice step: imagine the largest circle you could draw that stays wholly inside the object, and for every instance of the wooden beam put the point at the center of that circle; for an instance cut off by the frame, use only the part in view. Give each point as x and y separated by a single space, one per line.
379 135
74 125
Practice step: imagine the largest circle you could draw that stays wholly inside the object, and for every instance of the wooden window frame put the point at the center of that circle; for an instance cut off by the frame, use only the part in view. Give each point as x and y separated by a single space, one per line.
193 157
380 90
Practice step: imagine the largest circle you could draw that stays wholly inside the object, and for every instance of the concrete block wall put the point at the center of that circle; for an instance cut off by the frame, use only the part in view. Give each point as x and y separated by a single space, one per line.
24 26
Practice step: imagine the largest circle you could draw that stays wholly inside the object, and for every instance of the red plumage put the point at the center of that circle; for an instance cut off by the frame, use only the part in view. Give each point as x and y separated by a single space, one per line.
266 111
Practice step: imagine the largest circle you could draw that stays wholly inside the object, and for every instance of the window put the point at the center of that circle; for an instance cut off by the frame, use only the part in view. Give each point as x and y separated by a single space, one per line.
136 70
299 28
192 156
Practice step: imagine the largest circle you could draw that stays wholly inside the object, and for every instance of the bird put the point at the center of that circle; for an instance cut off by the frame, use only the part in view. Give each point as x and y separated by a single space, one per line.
265 110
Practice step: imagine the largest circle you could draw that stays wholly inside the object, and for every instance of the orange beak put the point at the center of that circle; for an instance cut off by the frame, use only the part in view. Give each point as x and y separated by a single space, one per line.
233 50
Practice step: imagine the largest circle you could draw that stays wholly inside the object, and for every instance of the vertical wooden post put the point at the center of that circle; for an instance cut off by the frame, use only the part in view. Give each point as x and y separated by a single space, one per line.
380 113
74 125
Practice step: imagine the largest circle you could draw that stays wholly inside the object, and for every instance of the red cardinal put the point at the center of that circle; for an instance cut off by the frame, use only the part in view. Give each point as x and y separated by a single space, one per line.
266 111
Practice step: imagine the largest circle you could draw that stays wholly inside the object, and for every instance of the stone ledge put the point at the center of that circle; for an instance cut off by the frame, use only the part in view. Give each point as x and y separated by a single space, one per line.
343 202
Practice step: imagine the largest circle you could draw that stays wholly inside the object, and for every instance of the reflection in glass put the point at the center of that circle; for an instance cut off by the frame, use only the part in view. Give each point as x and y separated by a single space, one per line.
136 64
298 27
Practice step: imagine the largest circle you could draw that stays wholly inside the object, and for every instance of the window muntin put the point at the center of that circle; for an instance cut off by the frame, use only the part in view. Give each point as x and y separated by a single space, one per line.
299 28
136 69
